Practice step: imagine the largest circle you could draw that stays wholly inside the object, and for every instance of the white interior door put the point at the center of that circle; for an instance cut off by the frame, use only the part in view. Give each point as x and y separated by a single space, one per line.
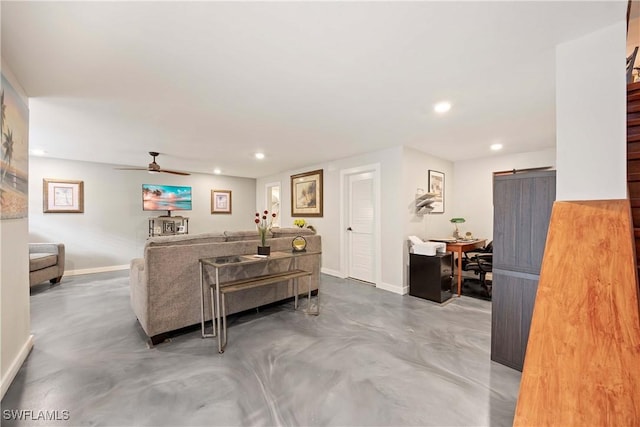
360 227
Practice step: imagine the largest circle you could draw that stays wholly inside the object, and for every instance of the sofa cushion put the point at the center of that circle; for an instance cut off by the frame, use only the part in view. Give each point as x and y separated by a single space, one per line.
237 236
40 261
186 239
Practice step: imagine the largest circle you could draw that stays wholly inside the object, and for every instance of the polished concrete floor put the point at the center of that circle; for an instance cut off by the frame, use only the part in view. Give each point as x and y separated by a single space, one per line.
372 358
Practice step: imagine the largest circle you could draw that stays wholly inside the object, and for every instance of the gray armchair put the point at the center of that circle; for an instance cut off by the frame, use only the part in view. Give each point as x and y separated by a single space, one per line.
46 262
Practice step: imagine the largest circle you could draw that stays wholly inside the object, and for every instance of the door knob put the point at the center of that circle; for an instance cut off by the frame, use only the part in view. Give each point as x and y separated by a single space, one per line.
349 229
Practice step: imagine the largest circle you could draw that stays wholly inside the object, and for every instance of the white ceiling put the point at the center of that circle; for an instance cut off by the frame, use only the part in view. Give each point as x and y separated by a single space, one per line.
207 84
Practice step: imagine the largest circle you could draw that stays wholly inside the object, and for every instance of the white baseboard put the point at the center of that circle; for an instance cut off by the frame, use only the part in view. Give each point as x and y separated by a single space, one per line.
331 272
393 288
96 270
15 365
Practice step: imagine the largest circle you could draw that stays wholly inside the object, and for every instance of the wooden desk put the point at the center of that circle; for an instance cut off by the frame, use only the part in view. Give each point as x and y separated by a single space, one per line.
461 247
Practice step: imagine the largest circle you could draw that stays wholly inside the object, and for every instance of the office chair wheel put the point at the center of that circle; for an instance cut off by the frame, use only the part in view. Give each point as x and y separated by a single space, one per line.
487 285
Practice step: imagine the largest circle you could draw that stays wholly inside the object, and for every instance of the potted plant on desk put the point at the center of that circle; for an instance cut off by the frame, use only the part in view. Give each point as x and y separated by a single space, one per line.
264 222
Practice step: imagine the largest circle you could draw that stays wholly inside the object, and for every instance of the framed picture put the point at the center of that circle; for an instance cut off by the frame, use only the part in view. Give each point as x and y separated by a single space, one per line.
220 201
63 196
436 186
306 194
14 162
168 227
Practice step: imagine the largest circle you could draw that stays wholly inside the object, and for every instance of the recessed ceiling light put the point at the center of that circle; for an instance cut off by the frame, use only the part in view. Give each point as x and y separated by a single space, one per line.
442 107
217 171
496 147
37 152
259 156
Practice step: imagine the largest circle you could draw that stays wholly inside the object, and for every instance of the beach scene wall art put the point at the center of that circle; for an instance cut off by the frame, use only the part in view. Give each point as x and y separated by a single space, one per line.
14 159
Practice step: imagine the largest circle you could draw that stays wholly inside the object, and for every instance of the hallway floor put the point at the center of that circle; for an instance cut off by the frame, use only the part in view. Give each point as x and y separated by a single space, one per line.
372 358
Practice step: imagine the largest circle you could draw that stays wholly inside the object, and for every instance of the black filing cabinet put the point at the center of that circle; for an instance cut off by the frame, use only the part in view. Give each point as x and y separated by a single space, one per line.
430 277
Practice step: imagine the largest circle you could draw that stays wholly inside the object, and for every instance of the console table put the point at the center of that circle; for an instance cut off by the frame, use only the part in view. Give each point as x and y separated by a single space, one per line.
218 290
168 225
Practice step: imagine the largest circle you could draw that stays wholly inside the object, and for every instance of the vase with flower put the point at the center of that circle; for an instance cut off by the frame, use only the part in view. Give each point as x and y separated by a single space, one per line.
263 222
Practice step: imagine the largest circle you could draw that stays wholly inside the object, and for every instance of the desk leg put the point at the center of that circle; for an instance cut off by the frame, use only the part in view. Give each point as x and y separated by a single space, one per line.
459 251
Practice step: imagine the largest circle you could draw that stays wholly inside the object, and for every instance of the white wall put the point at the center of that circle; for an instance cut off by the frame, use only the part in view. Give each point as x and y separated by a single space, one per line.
15 324
590 116
415 171
473 197
393 214
113 228
402 170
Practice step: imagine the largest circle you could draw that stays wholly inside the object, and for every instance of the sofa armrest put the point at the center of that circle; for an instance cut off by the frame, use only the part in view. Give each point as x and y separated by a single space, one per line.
50 248
138 291
45 248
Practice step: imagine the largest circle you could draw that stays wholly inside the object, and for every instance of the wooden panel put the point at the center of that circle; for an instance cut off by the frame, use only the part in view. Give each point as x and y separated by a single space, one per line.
506 210
633 138
634 188
506 335
529 287
522 206
633 166
512 303
524 224
544 194
582 364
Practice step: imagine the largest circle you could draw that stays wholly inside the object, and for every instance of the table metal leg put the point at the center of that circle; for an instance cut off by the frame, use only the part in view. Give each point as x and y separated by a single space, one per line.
202 317
220 350
222 346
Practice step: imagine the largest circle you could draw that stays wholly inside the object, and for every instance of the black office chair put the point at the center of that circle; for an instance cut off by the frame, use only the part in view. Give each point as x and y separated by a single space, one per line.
469 255
480 262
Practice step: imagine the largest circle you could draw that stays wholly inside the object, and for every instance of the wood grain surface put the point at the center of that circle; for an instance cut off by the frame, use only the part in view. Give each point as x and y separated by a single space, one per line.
582 365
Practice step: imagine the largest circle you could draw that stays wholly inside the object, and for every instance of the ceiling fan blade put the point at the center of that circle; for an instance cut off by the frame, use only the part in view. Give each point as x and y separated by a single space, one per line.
174 172
154 167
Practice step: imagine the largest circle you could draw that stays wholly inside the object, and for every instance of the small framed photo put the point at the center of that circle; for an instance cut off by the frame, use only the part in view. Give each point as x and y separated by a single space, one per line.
306 194
63 196
436 186
220 201
168 227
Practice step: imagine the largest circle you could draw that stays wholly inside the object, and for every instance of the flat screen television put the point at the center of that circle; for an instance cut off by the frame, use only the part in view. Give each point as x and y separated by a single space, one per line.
166 198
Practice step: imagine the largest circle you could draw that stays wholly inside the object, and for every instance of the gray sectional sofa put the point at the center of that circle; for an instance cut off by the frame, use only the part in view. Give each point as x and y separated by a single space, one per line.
165 283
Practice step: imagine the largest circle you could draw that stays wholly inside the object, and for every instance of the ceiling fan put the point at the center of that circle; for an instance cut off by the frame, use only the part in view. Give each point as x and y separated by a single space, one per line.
154 167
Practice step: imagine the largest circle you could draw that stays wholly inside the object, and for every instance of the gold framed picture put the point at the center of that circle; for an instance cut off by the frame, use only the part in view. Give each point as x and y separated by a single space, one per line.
220 201
306 194
63 196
